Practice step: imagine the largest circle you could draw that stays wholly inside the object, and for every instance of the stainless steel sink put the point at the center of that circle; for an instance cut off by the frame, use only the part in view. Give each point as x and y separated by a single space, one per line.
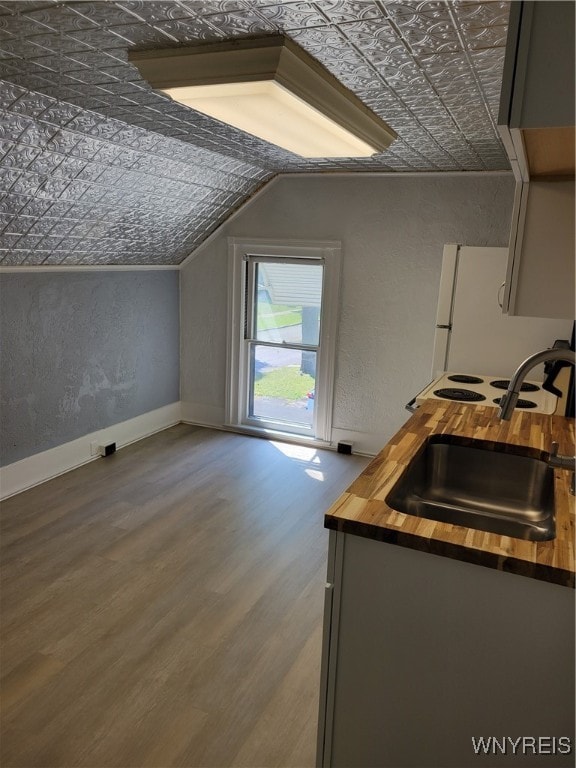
488 486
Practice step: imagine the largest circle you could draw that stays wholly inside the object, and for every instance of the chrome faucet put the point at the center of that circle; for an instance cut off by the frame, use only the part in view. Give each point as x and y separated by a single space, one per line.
508 402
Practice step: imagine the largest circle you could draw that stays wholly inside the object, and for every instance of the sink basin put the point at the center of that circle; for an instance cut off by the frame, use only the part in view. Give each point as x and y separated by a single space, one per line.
493 487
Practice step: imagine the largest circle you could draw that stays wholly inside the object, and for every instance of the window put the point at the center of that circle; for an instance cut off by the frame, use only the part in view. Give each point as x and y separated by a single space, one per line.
282 334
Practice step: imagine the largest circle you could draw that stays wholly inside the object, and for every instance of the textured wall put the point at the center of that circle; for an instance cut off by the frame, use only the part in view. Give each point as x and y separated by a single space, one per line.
83 351
393 231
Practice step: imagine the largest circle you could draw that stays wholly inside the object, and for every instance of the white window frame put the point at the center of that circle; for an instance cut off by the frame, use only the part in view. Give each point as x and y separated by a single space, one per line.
329 252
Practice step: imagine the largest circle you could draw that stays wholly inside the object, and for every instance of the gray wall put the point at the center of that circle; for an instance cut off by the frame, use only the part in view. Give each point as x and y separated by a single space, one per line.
83 351
393 230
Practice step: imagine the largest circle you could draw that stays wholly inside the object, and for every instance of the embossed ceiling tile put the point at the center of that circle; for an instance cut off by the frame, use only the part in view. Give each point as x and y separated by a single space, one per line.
491 37
24 206
392 58
31 104
18 47
144 141
9 68
69 258
354 73
190 30
11 225
78 41
53 189
340 11
438 38
22 6
177 191
60 227
21 156
9 241
22 225
59 18
488 64
326 43
425 27
56 91
61 43
104 14
294 15
443 68
5 147
12 204
28 242
471 15
241 22
12 258
36 257
69 168
372 34
144 35
402 79
91 123
214 6
79 231
156 11
63 142
21 25
59 114
12 127
55 65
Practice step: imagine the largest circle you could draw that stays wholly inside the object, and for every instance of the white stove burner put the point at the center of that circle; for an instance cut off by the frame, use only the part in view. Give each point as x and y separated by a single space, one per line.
480 390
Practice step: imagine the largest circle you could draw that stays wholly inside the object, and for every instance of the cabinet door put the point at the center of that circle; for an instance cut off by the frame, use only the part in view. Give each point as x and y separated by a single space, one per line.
543 91
545 285
433 651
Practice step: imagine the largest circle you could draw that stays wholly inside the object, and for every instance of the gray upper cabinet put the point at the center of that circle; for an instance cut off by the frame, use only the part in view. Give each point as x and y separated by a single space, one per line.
536 123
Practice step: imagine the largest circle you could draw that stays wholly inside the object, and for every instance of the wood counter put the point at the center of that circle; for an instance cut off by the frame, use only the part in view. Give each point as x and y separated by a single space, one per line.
361 510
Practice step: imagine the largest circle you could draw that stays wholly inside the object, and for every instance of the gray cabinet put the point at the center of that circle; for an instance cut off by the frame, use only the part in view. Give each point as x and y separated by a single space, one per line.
424 653
536 123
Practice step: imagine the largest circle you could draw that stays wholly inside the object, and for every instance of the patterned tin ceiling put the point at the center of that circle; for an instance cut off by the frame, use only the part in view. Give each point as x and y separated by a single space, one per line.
96 168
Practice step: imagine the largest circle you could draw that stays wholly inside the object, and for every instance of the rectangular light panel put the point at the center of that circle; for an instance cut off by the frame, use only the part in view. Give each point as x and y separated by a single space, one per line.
268 110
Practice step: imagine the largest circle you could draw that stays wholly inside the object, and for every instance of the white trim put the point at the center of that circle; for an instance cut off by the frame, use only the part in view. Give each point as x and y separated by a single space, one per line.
212 417
388 174
236 374
363 443
40 467
92 268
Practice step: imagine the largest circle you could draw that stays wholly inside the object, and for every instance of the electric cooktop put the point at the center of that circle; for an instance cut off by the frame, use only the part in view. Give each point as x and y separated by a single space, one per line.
485 390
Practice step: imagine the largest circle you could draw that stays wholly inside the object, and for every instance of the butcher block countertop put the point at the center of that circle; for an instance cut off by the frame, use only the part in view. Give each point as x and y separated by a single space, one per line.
361 510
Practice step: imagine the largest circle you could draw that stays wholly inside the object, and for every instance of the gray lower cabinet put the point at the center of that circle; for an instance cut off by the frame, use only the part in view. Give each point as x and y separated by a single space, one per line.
424 655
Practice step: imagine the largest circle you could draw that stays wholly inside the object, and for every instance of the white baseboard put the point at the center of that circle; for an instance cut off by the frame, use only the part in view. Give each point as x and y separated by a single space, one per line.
202 415
363 443
36 469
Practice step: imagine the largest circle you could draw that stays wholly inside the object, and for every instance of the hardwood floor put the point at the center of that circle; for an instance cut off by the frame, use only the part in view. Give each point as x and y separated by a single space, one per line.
163 606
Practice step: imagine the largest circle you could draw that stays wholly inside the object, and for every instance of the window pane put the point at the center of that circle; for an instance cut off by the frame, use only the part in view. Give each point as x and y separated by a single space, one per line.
287 303
282 385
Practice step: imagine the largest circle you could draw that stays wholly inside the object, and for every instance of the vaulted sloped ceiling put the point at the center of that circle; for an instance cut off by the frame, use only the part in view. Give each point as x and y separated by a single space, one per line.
96 168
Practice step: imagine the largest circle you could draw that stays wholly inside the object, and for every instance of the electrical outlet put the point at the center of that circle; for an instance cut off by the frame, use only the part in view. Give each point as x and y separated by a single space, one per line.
102 449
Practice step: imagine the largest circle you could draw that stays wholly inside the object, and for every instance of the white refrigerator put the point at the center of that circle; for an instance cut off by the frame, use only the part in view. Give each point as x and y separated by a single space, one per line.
473 336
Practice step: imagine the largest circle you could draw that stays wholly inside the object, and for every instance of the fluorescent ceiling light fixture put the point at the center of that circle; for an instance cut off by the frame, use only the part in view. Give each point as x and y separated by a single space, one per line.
270 88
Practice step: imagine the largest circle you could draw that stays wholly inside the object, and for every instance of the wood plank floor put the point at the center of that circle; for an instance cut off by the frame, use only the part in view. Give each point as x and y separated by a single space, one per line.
163 606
